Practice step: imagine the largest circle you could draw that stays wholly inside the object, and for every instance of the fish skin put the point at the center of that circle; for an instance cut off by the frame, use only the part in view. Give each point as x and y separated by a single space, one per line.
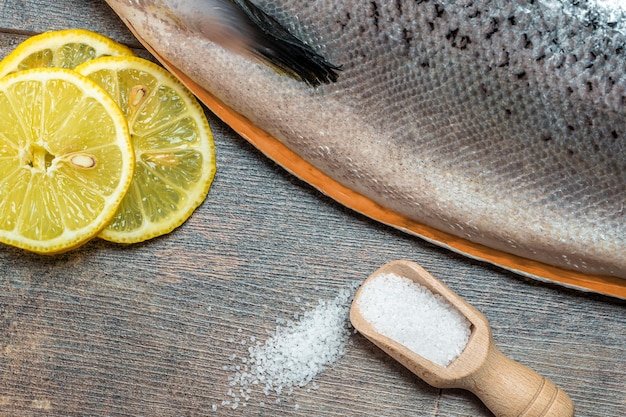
498 122
241 27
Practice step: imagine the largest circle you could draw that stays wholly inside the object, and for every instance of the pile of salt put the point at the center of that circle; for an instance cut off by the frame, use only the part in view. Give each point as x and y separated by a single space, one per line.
413 316
294 354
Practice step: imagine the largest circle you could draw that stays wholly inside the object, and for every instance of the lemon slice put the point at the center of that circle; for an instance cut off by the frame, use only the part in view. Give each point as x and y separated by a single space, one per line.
175 155
66 159
63 48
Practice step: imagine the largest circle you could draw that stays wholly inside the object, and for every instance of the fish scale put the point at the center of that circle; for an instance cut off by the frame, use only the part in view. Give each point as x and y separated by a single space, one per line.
498 122
552 178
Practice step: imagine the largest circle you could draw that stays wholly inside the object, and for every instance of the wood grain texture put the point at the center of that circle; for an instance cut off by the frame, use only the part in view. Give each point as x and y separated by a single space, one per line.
150 329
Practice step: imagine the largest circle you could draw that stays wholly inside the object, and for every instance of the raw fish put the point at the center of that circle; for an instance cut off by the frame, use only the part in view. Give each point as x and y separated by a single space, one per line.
494 128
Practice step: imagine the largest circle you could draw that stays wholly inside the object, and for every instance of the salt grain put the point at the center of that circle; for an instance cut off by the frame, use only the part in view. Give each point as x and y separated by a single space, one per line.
410 314
297 351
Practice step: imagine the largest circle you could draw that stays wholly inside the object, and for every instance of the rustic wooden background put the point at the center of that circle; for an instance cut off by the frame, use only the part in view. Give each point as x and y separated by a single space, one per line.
148 330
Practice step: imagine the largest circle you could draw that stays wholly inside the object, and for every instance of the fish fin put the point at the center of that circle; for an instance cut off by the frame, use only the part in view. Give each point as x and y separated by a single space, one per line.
276 46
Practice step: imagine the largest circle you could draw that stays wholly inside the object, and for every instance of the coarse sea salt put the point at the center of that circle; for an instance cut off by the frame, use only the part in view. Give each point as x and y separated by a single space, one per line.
412 315
295 353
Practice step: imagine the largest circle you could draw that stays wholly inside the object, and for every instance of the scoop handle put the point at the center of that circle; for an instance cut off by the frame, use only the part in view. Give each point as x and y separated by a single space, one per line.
510 389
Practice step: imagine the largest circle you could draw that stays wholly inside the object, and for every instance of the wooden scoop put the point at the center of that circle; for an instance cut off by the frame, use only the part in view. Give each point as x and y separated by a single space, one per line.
507 388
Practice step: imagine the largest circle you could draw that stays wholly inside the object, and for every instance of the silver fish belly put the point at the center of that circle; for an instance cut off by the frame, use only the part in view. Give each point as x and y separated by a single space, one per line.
498 122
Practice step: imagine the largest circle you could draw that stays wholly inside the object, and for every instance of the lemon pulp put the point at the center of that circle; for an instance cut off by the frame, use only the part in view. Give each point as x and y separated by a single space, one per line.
66 159
175 157
62 49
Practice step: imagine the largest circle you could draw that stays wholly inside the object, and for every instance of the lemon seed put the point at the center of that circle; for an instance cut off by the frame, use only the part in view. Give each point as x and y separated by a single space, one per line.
83 161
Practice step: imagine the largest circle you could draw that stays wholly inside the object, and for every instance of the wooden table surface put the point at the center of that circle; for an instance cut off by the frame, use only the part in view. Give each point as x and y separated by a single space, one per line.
149 329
